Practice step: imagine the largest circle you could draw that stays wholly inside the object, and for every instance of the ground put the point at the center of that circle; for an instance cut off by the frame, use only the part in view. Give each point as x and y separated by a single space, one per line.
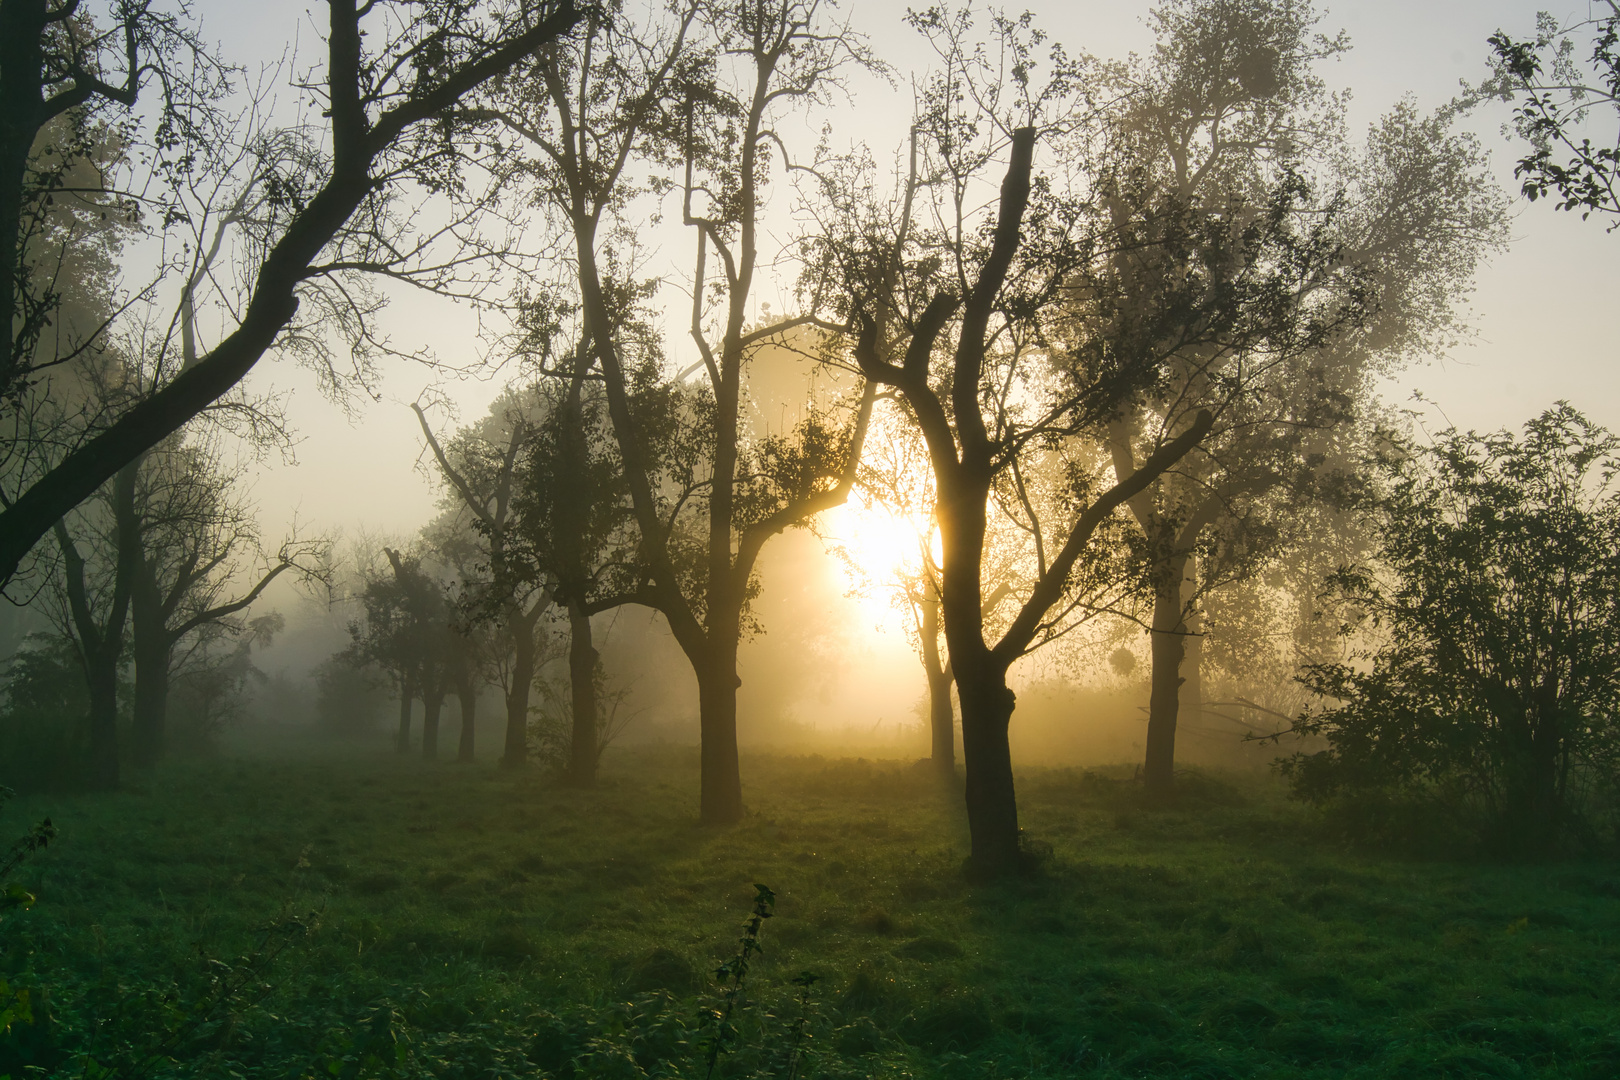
343 913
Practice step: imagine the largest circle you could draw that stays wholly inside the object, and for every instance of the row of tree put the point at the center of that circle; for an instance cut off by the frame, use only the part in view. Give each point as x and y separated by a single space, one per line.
1171 310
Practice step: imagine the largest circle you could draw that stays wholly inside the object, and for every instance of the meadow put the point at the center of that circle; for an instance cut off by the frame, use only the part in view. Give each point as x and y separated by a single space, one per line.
347 914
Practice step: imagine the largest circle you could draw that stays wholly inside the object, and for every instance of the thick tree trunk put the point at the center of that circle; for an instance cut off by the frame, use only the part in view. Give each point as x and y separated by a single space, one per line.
1531 803
515 752
992 804
402 740
1169 637
432 707
467 697
582 660
942 723
101 679
721 783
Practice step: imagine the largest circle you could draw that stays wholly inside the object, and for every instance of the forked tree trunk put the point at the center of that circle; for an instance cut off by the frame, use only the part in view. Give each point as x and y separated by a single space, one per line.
432 708
467 697
582 660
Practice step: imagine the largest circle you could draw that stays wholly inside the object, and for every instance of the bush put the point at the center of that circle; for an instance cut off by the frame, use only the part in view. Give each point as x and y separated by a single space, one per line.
349 700
1491 689
43 711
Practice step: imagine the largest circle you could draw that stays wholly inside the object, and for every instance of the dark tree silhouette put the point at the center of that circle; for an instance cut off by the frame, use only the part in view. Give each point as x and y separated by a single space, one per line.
1490 677
386 96
630 97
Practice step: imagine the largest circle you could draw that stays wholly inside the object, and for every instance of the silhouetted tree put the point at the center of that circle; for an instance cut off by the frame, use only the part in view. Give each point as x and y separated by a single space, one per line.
1204 147
1490 681
335 216
715 120
964 316
479 465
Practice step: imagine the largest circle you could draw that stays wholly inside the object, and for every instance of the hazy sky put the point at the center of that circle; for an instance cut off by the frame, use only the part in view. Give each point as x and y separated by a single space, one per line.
1542 311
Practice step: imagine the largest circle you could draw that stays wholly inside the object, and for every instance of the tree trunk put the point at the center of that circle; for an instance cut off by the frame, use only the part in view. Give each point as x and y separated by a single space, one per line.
101 679
467 696
402 741
1531 803
152 647
432 707
582 661
721 783
942 723
941 717
515 753
992 804
1169 639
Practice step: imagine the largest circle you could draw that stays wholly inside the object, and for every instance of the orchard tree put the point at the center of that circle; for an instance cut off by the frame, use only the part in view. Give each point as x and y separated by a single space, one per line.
393 75
1208 140
479 464
712 117
194 574
965 316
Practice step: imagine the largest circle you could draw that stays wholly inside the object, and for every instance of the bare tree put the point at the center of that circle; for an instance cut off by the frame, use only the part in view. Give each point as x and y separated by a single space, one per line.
702 523
386 97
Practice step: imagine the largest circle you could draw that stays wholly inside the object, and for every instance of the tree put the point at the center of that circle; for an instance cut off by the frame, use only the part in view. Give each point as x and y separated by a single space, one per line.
193 535
1491 680
479 466
407 633
1553 95
386 96
714 120
92 609
963 314
576 528
1208 142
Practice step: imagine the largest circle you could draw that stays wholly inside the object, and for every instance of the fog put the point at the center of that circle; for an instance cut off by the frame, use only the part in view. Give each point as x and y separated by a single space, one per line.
831 670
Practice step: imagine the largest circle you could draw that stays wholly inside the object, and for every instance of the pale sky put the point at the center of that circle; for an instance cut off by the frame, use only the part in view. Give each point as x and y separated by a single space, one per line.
1542 310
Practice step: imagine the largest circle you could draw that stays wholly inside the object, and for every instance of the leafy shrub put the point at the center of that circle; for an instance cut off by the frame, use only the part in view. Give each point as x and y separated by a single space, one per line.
1491 691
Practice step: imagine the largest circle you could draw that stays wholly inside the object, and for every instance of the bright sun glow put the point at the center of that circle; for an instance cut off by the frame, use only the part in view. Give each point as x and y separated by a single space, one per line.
883 546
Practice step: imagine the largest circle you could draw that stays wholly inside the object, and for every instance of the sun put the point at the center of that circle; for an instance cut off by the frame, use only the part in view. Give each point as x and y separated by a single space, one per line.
879 544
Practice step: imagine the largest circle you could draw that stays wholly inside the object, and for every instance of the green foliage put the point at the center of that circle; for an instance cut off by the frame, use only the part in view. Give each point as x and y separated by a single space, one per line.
43 706
1490 688
1553 93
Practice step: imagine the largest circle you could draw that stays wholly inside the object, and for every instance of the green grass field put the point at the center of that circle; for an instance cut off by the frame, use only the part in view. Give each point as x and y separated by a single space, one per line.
476 924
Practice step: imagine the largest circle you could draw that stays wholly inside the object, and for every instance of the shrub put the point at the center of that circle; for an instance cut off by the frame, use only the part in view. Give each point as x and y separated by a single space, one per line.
1491 687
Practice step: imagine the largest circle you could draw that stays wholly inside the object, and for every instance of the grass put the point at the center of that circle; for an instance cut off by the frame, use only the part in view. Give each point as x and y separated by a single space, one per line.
478 924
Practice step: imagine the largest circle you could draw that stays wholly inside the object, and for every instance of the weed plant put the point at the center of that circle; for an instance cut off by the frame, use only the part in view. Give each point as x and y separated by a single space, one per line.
476 923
